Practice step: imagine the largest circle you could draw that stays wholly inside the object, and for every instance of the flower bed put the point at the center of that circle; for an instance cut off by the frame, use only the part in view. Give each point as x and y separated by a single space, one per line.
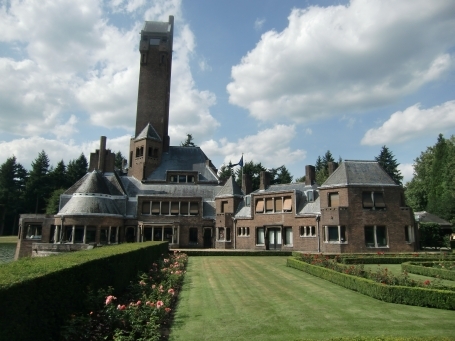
441 270
380 285
143 312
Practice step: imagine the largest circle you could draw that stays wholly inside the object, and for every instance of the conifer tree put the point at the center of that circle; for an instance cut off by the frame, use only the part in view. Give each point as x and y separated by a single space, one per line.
38 187
76 169
388 162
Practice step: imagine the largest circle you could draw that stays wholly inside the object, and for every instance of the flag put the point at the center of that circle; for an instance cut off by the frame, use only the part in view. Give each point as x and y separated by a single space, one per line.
241 162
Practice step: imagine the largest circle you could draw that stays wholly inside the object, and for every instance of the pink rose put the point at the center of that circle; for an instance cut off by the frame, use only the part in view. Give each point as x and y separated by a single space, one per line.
159 304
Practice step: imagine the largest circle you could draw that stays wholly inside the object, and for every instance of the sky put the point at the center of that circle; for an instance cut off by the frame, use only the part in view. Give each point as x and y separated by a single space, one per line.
280 82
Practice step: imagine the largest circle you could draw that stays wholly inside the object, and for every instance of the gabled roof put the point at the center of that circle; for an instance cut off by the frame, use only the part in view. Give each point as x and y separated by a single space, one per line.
230 188
148 133
365 173
425 217
184 159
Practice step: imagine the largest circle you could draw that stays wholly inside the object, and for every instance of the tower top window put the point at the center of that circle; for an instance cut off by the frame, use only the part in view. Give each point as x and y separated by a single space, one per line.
155 41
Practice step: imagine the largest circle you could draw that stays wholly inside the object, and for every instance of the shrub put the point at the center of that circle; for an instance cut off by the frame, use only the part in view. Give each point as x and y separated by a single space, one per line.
431 269
38 294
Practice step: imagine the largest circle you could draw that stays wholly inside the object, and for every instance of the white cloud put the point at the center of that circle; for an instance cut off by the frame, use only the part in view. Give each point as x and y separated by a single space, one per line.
308 131
258 23
412 123
342 59
269 146
407 171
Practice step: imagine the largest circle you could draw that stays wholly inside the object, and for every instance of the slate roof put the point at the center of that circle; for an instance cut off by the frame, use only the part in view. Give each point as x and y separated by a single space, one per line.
93 183
243 211
364 173
209 209
425 217
184 159
230 188
86 205
148 132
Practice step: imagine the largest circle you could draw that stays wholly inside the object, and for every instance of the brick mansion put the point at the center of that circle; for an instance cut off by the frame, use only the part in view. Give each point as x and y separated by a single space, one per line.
174 194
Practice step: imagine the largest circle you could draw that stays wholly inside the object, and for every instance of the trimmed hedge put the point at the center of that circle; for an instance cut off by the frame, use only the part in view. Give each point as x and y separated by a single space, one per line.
38 294
441 299
236 253
385 338
426 269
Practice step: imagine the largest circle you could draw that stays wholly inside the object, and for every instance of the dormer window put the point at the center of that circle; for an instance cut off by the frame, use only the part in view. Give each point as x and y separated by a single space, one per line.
310 196
247 200
373 200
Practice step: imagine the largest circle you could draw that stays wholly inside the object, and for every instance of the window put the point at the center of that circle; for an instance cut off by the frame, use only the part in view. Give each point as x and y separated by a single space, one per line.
269 204
190 178
113 235
409 234
90 235
165 208
155 41
224 205
307 231
155 207
131 159
247 200
184 208
334 200
194 208
335 234
228 234
376 236
150 152
373 200
193 235
174 208
278 204
288 236
260 236
182 178
259 206
287 204
310 196
174 178
221 233
243 231
33 232
146 207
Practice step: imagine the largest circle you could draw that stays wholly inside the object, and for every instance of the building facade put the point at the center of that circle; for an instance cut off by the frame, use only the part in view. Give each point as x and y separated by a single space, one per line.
173 193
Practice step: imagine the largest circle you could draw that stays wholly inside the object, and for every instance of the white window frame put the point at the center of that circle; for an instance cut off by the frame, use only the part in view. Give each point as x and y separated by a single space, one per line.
340 240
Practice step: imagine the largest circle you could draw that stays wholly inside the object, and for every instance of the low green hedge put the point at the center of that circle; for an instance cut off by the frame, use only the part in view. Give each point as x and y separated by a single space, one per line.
385 338
38 294
395 294
426 269
237 253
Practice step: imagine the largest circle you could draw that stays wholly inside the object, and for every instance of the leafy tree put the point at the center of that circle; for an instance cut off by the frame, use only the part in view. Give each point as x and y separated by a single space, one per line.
433 187
53 202
388 162
280 175
253 170
430 235
119 161
76 169
301 179
12 184
225 172
188 142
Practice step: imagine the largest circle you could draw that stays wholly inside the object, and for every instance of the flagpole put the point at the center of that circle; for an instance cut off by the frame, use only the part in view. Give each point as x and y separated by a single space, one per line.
242 169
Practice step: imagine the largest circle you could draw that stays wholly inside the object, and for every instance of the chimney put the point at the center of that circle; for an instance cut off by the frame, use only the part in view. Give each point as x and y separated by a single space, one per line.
246 184
332 166
264 180
310 175
102 154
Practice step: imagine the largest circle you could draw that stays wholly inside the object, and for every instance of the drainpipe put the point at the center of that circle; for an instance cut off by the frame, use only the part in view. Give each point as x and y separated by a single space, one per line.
318 218
235 229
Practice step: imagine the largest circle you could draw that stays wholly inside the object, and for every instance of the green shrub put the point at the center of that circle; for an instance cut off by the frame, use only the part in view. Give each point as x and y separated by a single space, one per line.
237 253
38 294
428 269
395 294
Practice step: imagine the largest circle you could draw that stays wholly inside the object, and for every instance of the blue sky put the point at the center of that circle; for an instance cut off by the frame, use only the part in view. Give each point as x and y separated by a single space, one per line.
280 81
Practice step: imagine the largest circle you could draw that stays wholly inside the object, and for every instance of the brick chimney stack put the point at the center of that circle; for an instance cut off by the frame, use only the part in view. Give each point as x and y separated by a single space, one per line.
310 175
264 180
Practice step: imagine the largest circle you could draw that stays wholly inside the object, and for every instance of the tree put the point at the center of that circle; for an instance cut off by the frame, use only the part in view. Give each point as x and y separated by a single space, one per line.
188 142
280 175
76 169
301 179
57 176
225 172
12 184
53 202
119 162
430 235
38 187
253 170
322 167
388 162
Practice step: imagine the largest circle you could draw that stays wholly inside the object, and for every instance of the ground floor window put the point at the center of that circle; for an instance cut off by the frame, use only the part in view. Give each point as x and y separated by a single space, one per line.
90 235
307 231
335 234
193 235
243 231
376 236
224 234
409 234
260 240
288 236
33 232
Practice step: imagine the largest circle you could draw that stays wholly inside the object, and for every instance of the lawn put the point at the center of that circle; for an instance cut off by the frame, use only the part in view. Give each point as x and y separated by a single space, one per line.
259 298
8 240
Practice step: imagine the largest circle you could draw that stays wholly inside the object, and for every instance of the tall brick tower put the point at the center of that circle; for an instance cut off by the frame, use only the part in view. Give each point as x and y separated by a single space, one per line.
151 137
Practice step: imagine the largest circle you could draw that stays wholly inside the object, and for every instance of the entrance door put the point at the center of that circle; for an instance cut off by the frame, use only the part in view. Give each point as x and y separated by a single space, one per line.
207 238
274 235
